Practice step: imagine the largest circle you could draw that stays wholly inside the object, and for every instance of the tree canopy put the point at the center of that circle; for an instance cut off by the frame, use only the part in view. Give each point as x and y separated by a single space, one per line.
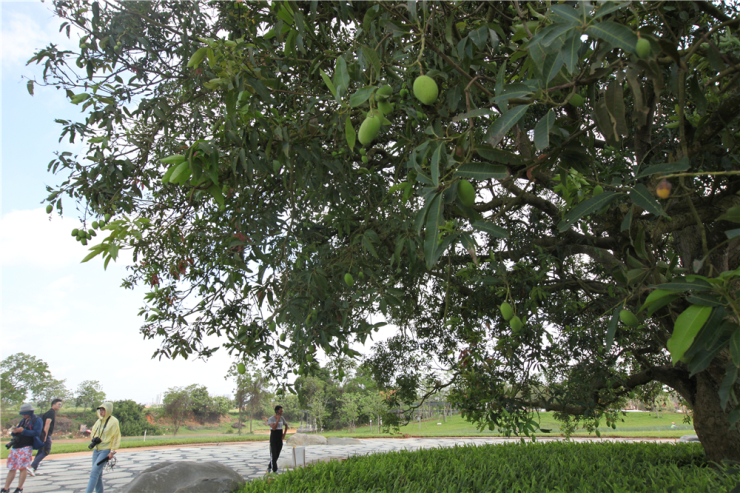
285 184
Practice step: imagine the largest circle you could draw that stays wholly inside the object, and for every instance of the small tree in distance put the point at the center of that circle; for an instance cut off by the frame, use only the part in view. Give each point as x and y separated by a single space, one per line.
89 392
176 406
250 392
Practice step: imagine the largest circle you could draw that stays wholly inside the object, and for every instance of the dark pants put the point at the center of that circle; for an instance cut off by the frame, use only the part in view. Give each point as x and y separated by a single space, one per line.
43 452
276 445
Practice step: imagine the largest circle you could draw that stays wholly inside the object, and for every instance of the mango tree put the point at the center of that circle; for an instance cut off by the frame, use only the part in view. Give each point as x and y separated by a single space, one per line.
541 197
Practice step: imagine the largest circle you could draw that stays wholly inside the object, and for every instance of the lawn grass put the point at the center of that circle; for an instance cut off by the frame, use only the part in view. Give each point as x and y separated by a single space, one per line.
63 447
513 467
633 425
637 425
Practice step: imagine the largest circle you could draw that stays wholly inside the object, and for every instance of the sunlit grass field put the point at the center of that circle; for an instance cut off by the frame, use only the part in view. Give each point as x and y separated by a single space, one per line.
634 425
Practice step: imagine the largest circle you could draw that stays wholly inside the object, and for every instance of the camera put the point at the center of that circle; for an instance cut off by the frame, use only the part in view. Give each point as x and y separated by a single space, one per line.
10 444
95 441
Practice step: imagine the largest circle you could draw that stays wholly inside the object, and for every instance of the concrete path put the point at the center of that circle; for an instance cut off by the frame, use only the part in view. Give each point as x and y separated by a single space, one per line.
70 474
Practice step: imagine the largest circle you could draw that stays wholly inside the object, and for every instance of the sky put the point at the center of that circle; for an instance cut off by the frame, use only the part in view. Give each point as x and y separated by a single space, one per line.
73 316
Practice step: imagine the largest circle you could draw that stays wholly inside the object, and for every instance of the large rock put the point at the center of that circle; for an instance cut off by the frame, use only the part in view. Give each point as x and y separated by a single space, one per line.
689 438
186 477
342 441
303 440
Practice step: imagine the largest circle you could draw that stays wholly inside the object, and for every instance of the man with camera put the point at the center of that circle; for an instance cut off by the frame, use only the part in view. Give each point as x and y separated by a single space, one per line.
21 447
49 418
106 438
278 430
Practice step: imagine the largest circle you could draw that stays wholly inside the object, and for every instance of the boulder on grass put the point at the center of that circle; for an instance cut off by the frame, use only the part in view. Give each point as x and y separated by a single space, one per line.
689 438
342 441
186 477
303 440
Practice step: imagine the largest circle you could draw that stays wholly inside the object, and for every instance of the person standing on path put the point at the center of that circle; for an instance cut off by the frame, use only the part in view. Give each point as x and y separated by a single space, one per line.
21 454
48 419
106 437
278 430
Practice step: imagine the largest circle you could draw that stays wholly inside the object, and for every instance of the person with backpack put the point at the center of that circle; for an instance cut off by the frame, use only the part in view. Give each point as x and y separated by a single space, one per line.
49 418
25 437
106 438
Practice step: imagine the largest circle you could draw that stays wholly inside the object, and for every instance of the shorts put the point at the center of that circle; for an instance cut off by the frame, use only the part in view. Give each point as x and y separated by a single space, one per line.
20 458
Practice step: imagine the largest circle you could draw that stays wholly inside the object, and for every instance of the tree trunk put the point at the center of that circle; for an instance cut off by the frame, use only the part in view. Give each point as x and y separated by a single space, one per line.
711 422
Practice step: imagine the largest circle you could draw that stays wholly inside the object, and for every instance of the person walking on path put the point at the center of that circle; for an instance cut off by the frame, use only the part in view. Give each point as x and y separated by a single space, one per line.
48 419
106 438
278 430
21 454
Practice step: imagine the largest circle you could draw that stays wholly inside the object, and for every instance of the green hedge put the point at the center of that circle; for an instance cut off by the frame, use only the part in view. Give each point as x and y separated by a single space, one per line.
514 467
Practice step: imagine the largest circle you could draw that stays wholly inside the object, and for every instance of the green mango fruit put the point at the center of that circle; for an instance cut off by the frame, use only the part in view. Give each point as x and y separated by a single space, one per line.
364 159
107 217
403 93
75 232
516 324
363 151
598 190
383 93
425 89
241 368
49 208
628 318
466 193
369 130
349 279
576 100
643 48
506 311
385 107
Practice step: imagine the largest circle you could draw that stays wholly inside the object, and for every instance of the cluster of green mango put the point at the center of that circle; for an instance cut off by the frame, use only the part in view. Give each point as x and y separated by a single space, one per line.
83 236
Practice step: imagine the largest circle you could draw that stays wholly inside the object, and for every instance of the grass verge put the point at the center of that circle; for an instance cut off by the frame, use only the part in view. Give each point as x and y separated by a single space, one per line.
531 467
65 448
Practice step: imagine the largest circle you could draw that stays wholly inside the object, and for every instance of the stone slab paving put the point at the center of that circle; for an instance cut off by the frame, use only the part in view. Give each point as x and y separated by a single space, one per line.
70 474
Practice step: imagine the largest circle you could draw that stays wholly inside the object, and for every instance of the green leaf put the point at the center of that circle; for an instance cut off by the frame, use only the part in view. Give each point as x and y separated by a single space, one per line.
197 57
369 247
587 207
435 164
567 14
94 252
732 214
642 198
612 329
350 133
482 171
542 130
329 83
617 35
626 222
609 7
361 96
511 91
680 286
372 57
29 86
497 131
472 114
449 239
432 229
553 63
732 233
179 172
173 159
569 52
491 229
217 195
665 168
341 76
655 296
735 347
685 329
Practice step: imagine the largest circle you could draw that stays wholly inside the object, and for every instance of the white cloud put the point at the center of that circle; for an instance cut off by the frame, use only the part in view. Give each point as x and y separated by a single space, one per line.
28 238
28 28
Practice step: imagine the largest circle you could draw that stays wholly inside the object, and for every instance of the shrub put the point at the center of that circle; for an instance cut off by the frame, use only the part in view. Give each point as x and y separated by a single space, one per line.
528 467
132 419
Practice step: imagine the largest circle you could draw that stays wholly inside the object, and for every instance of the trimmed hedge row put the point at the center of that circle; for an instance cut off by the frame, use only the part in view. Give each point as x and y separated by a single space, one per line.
513 467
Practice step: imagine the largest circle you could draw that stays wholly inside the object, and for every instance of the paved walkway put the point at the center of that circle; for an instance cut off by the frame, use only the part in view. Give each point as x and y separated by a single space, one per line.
70 474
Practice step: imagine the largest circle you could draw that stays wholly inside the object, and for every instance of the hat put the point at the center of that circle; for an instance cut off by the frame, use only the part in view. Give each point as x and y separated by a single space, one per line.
26 409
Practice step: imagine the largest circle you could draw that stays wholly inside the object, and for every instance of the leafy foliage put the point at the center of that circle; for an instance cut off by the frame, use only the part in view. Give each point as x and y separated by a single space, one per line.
220 149
553 466
22 375
132 419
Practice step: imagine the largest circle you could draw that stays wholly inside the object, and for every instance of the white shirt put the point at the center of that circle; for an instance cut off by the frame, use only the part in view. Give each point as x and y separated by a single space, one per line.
272 421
